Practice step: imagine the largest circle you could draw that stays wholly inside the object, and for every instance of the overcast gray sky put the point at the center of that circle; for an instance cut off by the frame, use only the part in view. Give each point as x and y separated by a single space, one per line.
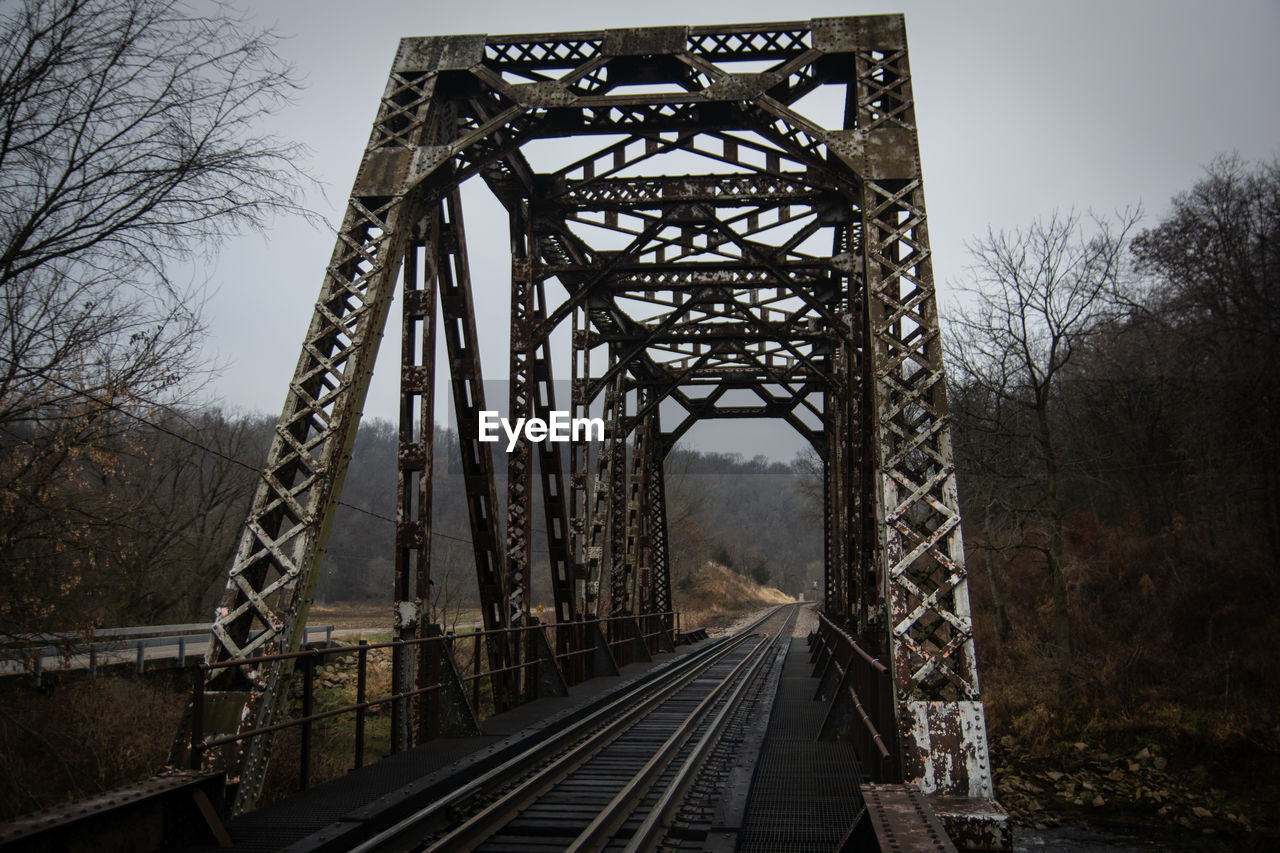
1023 108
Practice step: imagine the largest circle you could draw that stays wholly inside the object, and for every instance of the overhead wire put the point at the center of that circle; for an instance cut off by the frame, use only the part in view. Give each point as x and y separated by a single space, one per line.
108 404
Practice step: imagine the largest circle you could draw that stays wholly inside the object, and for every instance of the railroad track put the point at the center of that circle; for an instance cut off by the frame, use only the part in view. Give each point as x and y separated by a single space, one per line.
612 780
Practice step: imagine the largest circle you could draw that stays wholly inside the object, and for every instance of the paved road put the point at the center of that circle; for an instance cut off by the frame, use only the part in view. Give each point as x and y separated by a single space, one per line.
170 651
159 652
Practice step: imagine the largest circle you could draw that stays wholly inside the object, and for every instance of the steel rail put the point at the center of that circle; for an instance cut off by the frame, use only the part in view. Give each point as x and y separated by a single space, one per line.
655 823
489 822
493 818
624 803
589 731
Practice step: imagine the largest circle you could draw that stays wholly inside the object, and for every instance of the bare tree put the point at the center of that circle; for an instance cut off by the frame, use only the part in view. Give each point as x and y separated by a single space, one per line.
1214 263
128 141
1035 299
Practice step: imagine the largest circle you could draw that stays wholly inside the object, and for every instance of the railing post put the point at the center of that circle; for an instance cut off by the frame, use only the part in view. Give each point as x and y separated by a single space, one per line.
430 711
475 670
142 659
182 652
197 716
308 684
362 660
401 712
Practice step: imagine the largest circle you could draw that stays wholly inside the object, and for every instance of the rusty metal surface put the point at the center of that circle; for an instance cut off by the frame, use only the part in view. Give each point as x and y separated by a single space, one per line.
178 807
901 819
974 823
788 277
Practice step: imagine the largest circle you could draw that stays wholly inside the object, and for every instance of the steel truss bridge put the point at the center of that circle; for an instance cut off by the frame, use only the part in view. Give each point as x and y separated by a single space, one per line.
718 253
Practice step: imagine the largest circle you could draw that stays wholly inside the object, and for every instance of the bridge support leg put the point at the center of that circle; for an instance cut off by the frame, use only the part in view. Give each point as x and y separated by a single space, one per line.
447 711
548 679
922 592
415 469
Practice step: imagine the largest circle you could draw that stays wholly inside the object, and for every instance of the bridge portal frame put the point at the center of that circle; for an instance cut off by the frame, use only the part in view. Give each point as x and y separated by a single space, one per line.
708 288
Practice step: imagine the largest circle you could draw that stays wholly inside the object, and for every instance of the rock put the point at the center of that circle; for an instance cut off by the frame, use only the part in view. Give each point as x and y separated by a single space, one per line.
1201 812
1080 746
1099 801
1055 775
1134 768
1143 754
1160 762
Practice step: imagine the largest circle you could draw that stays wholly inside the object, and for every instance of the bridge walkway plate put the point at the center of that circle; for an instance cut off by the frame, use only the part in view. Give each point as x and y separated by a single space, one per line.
805 792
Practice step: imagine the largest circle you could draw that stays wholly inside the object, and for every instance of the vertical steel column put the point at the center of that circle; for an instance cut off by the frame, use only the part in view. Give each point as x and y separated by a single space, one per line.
414 467
600 538
551 472
658 553
941 726
519 535
617 481
635 570
579 463
522 391
836 499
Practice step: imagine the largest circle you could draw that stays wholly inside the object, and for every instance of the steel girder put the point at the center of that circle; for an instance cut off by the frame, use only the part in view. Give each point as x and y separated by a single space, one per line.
792 269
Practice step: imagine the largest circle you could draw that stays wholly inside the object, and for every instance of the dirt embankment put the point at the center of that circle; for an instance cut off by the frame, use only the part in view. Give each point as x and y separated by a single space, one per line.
715 597
710 597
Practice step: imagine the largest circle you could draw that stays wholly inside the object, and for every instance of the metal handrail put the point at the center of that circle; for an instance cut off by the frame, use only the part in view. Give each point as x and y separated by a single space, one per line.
867 683
199 744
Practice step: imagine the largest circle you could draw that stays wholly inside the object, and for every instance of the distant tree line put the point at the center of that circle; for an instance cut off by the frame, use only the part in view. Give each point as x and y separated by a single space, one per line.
140 526
749 515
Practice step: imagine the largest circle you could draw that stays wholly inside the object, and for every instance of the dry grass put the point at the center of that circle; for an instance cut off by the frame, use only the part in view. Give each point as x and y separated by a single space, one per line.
71 740
347 615
713 597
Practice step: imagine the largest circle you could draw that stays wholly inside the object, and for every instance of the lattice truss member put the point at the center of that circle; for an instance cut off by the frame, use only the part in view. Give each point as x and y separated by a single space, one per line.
740 232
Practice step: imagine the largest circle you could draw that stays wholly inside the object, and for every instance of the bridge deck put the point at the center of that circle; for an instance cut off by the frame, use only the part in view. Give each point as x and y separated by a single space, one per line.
328 815
785 791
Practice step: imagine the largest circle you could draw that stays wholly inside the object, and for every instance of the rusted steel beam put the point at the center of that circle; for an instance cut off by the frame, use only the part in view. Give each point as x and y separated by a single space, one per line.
415 465
555 501
600 540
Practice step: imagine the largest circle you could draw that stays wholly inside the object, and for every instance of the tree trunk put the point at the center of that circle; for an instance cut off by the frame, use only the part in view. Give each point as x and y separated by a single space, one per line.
1054 551
997 601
